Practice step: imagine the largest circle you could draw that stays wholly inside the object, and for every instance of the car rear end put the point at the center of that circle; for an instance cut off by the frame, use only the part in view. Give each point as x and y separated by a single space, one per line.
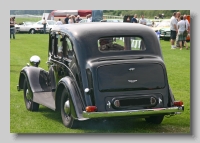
134 87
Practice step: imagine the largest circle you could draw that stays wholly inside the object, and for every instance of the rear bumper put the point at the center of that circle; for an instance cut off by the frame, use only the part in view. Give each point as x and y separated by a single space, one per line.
144 112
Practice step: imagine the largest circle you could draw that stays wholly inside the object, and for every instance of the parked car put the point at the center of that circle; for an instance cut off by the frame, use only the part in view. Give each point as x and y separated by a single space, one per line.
83 21
28 27
117 71
110 20
149 23
161 26
17 28
156 22
49 26
165 32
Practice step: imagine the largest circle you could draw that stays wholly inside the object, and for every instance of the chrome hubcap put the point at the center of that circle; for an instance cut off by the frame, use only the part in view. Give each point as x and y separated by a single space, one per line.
28 97
67 107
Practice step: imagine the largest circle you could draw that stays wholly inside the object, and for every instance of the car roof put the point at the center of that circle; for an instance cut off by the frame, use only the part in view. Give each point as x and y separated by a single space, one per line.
99 29
86 35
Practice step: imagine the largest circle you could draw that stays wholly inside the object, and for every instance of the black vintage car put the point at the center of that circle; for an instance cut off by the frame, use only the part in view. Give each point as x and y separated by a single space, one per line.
101 70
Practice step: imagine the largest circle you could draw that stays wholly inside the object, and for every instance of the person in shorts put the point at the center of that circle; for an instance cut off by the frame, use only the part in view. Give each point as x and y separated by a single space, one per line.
173 30
181 38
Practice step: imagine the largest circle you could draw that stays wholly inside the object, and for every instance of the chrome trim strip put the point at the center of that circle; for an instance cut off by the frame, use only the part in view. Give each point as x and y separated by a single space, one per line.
131 69
132 81
143 112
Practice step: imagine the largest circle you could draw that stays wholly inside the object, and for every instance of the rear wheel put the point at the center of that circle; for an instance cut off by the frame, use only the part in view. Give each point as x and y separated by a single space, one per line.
30 105
155 119
66 115
32 31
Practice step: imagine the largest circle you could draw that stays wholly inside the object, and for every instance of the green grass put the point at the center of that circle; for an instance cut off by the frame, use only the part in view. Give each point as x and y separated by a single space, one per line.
31 19
48 121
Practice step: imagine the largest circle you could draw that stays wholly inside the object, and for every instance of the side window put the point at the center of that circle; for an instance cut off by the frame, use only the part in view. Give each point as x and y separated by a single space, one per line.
52 44
69 48
59 45
53 51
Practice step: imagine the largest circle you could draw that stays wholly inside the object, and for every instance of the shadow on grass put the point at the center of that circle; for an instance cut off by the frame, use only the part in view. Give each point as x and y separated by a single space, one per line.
109 125
50 114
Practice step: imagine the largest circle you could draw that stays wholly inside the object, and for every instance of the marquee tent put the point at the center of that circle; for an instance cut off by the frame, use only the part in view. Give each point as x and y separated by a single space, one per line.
63 13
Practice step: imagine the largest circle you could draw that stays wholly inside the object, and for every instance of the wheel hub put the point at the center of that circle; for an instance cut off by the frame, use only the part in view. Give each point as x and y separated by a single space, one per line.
67 107
28 95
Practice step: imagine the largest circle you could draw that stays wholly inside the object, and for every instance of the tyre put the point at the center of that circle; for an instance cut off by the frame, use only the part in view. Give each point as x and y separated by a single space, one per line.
155 119
30 105
66 109
32 31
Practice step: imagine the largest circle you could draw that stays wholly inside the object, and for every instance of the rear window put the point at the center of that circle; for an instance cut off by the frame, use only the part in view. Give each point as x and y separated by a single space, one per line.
131 43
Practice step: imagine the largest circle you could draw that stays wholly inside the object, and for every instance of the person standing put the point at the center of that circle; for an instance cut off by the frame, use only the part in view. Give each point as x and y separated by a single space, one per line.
142 20
12 27
178 14
173 30
70 21
59 22
89 18
78 19
67 19
44 22
187 23
181 28
134 19
73 18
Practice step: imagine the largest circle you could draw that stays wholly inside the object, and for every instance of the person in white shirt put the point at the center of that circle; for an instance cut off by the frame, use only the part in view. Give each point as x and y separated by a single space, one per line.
181 28
44 22
142 20
70 21
59 22
89 18
173 29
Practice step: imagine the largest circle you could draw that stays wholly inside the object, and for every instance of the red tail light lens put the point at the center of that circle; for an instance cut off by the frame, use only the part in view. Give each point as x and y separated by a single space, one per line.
91 108
178 103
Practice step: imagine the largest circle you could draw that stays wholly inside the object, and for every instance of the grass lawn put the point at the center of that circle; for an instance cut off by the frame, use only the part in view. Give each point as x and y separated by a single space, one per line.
48 121
31 19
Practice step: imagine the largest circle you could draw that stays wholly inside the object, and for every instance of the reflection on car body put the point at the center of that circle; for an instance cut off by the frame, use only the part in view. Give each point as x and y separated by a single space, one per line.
85 82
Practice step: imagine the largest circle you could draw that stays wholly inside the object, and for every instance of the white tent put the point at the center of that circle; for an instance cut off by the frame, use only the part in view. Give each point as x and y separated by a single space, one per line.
58 13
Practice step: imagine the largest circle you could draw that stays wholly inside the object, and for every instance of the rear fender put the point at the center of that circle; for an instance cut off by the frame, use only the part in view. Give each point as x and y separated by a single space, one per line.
36 77
75 96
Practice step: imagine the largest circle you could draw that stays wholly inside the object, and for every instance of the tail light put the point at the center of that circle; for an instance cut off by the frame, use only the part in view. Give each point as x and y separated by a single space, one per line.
178 103
91 108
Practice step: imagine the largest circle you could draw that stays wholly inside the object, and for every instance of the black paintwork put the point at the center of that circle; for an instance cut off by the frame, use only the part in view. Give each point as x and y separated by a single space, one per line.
105 74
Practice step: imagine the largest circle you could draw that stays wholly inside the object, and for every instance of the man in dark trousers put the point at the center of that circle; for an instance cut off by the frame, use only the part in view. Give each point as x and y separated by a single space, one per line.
67 19
44 25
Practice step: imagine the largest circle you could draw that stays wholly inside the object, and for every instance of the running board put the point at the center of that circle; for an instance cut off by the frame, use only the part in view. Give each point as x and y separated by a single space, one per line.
45 98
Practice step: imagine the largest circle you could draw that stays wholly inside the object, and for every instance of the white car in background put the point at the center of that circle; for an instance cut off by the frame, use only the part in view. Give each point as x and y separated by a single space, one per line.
28 27
83 21
49 26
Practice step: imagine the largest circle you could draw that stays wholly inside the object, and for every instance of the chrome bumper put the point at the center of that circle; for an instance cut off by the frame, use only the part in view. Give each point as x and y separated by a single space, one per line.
143 112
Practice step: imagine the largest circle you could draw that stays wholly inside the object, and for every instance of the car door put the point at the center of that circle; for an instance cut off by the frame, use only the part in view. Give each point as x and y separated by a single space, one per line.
57 54
22 27
27 27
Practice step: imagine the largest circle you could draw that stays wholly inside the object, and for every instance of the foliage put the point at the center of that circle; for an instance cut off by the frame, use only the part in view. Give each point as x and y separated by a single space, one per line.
147 13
